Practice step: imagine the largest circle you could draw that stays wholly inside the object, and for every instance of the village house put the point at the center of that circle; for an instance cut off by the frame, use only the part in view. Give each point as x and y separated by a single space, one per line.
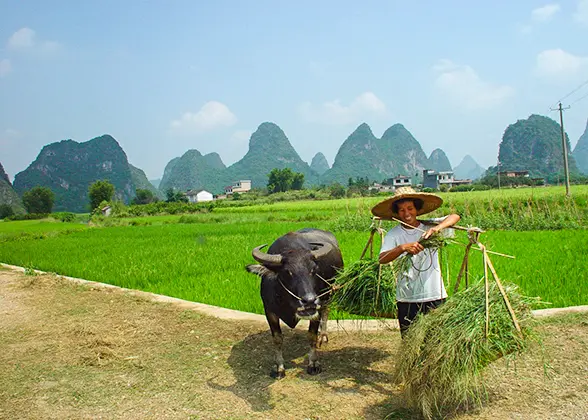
401 181
198 196
513 174
241 186
433 179
381 187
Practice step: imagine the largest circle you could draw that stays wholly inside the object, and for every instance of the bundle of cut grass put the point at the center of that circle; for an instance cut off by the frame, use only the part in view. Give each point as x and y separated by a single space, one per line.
368 288
444 353
361 289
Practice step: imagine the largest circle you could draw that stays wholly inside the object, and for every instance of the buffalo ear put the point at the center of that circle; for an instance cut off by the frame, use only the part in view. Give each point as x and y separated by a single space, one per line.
259 269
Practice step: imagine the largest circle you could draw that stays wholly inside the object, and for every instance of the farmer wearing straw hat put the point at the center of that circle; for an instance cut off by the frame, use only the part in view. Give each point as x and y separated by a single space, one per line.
421 288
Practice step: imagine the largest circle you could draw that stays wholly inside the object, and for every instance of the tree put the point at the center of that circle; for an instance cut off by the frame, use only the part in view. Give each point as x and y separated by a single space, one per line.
143 196
100 191
280 180
174 196
38 200
298 181
6 211
336 190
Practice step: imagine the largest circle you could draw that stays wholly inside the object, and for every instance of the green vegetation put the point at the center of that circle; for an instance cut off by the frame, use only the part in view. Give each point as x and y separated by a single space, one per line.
144 197
319 163
534 144
6 210
98 192
269 148
581 152
193 171
140 181
201 256
38 200
68 168
282 180
438 161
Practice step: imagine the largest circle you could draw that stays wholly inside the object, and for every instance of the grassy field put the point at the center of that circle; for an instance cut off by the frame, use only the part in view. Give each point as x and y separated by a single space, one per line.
205 262
201 257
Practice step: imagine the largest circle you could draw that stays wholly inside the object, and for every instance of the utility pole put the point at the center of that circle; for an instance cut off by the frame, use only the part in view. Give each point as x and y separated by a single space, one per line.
564 147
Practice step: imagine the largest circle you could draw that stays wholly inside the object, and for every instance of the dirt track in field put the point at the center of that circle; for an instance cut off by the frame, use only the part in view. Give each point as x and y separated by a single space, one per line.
75 352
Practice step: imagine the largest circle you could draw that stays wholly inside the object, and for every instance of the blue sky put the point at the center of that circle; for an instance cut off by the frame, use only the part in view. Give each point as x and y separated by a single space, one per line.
163 77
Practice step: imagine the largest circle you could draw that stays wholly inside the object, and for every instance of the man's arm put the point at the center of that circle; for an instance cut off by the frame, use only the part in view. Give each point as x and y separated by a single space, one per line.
389 256
449 221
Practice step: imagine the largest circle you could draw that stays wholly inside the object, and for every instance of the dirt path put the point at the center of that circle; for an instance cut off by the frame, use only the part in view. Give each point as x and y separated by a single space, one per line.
70 351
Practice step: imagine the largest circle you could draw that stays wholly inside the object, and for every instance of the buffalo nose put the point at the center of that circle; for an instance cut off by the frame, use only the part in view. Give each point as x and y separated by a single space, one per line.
310 299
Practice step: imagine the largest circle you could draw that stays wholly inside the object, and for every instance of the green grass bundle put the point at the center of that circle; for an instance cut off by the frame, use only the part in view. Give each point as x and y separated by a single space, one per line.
444 353
361 290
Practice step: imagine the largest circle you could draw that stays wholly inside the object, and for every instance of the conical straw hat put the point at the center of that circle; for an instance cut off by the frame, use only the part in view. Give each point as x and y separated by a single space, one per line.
384 209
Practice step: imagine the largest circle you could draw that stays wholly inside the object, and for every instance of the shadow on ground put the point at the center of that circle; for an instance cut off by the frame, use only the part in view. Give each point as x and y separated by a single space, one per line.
251 361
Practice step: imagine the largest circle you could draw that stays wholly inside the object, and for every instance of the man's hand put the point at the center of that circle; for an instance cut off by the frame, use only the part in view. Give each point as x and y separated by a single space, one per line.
431 232
412 248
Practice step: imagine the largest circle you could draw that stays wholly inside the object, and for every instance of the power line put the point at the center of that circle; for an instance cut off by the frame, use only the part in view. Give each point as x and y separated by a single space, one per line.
573 91
579 99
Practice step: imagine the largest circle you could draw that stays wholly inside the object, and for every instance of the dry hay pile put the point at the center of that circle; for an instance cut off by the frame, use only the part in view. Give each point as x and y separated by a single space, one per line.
444 353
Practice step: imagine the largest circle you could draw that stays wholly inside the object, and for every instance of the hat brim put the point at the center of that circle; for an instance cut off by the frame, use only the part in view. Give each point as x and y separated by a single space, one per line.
384 210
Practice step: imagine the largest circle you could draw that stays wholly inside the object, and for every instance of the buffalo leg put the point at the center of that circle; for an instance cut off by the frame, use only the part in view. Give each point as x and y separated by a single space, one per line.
314 366
278 339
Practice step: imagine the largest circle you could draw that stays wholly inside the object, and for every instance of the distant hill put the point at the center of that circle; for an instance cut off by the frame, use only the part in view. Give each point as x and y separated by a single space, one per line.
155 182
7 193
438 161
68 168
269 148
140 181
468 168
581 152
362 154
194 171
319 164
534 144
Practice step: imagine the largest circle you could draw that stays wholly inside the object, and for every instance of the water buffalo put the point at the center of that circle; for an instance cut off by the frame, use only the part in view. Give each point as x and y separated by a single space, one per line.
295 273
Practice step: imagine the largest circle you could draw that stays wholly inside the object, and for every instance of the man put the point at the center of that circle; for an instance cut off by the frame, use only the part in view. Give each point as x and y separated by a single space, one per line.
421 287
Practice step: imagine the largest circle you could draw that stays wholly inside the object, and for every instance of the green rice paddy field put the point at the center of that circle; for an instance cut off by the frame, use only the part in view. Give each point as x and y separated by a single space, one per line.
201 257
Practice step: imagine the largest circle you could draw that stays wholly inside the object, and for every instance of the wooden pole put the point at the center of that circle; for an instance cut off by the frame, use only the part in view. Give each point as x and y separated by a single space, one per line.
486 285
504 295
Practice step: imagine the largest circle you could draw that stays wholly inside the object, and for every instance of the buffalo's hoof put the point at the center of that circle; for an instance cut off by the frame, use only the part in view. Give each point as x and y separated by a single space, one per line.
278 374
314 370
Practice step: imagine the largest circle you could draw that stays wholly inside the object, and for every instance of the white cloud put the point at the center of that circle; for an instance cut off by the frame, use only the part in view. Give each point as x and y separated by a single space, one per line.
539 16
5 67
22 39
240 137
462 84
334 113
25 39
581 14
545 13
560 64
212 115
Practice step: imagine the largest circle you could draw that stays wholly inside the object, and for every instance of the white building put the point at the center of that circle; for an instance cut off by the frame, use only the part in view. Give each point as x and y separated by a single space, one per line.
241 186
199 196
401 181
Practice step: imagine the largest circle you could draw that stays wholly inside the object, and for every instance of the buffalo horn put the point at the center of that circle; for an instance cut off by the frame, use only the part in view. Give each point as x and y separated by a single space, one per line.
262 257
324 249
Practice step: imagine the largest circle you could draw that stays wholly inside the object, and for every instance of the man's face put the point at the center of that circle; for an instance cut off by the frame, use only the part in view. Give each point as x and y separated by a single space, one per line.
408 213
